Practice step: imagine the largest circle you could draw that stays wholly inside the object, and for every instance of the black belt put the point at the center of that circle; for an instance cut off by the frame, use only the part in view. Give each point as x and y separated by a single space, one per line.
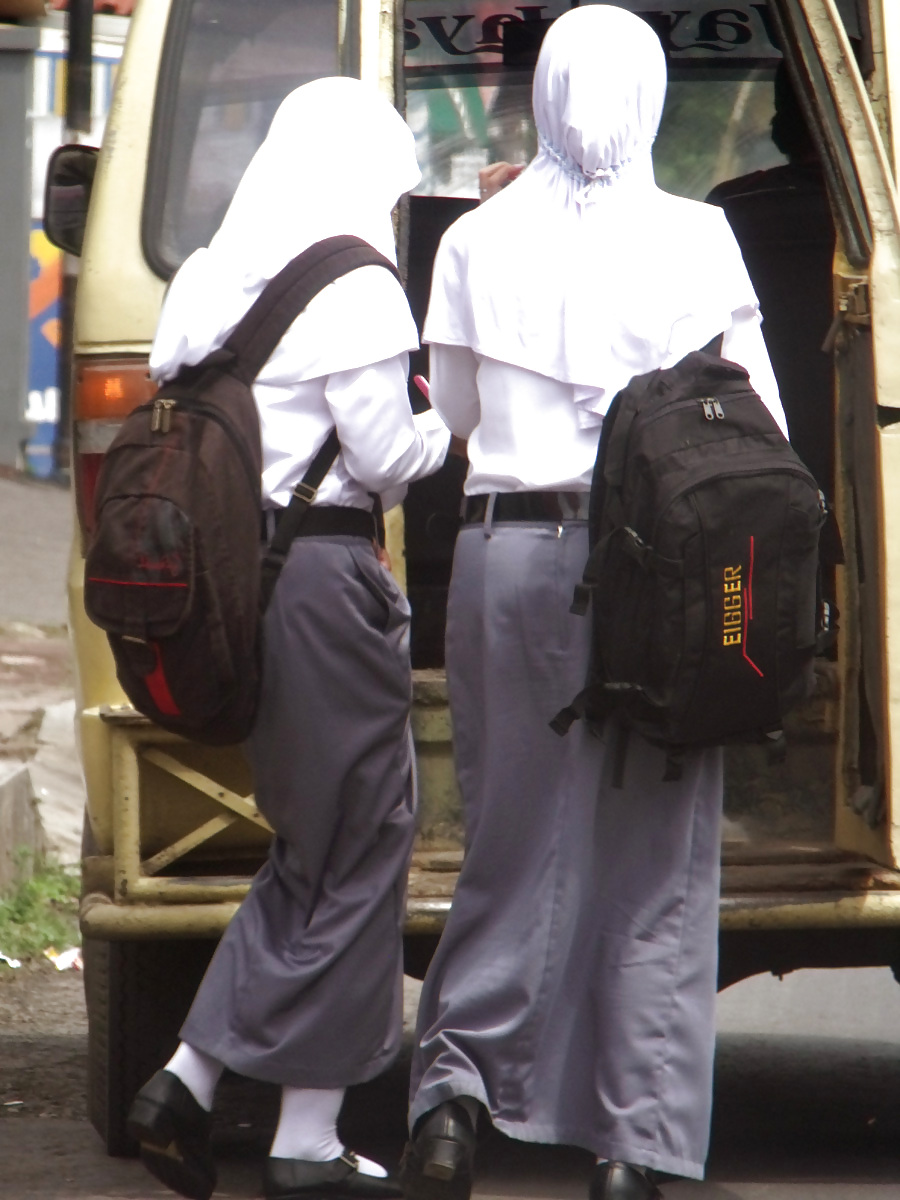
325 520
528 506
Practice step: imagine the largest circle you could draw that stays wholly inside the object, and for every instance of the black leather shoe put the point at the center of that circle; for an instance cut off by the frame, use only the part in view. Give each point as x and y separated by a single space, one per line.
299 1179
437 1162
173 1130
621 1181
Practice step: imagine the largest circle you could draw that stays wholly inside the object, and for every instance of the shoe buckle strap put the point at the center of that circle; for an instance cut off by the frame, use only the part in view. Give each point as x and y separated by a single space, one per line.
350 1159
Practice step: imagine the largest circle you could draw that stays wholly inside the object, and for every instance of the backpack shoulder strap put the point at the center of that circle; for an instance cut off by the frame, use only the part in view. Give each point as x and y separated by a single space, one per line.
268 319
292 517
617 424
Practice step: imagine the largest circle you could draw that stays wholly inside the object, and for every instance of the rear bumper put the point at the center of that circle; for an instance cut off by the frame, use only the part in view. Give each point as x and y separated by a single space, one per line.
104 919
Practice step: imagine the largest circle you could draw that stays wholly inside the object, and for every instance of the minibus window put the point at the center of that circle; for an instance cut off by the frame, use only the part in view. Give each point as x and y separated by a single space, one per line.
226 67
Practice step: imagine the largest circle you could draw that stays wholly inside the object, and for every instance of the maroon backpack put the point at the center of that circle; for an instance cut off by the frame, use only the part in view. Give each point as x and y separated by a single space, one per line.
174 572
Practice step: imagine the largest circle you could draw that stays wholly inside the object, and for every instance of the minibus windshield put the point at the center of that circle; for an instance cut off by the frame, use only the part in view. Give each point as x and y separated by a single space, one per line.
468 89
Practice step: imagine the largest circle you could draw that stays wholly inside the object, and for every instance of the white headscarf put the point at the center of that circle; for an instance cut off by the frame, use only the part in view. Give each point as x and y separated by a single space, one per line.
336 159
583 270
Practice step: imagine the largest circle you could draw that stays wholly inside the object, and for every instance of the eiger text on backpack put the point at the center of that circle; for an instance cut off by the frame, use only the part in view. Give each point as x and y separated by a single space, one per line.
173 572
703 568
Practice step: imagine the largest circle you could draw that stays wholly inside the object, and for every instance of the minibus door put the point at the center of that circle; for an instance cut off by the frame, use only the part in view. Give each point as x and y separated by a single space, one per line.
823 61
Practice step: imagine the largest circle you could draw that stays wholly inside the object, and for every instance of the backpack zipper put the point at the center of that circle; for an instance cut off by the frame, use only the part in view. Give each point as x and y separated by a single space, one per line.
662 409
161 419
161 415
712 409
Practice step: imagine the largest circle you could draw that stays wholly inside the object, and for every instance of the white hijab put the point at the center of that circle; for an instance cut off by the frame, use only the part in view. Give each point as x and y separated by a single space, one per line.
583 270
336 159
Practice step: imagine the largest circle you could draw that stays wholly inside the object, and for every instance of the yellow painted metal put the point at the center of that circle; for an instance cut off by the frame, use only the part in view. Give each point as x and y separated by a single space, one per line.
94 747
376 49
874 171
875 910
870 910
885 17
184 845
96 682
873 167
395 543
136 880
242 805
111 922
376 66
889 445
133 743
439 815
190 890
877 78
118 294
95 685
126 814
851 830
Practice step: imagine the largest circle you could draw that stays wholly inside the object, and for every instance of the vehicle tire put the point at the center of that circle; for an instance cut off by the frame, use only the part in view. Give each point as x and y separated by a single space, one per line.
137 995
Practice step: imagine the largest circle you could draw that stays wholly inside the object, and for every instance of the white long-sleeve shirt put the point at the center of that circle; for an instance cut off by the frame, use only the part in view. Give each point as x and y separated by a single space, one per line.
383 446
525 431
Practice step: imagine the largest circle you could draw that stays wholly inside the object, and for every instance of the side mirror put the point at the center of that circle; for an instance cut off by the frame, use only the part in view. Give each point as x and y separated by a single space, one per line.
70 177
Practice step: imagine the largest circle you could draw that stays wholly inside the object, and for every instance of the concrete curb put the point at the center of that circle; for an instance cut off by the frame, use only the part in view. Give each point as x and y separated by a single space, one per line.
58 783
20 823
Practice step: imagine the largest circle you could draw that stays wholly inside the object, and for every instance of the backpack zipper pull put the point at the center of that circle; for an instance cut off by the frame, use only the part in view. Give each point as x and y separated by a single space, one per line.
708 410
161 417
718 410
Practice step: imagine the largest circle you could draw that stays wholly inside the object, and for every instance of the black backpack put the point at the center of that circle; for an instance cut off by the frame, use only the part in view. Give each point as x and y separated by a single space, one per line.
174 572
704 564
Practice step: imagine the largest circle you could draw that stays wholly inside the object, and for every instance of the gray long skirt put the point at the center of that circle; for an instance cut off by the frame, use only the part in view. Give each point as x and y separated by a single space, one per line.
573 990
305 988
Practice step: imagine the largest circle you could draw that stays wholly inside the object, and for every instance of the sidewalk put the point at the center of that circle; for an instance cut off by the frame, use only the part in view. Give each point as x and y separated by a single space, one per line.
39 771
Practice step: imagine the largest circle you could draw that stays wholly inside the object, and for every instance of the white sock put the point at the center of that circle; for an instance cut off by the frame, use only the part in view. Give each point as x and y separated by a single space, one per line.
197 1071
307 1128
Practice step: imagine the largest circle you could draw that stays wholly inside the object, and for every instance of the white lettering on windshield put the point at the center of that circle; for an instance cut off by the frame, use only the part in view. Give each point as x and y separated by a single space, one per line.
469 33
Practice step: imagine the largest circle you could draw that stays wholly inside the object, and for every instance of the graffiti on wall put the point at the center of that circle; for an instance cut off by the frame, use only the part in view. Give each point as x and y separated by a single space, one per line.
44 299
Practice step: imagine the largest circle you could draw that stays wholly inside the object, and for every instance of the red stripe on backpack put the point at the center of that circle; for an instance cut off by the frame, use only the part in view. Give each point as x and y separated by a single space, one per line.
158 687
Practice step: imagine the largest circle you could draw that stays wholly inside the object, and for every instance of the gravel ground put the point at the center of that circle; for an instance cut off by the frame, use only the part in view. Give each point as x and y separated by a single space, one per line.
43 1043
48 1151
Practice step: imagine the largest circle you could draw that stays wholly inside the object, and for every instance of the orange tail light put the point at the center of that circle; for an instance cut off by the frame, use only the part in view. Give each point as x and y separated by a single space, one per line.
105 392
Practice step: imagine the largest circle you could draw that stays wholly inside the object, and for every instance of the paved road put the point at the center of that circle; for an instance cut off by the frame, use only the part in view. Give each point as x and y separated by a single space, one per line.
806 1107
35 531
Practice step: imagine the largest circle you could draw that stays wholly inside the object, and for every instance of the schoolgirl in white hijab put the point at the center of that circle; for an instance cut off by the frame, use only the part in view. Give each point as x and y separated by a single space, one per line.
305 987
583 271
309 181
571 997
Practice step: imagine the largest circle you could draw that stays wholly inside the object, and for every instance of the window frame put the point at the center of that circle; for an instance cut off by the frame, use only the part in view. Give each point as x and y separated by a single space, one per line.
165 101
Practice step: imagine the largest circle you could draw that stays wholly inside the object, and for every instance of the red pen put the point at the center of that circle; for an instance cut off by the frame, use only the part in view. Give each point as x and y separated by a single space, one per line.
422 384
